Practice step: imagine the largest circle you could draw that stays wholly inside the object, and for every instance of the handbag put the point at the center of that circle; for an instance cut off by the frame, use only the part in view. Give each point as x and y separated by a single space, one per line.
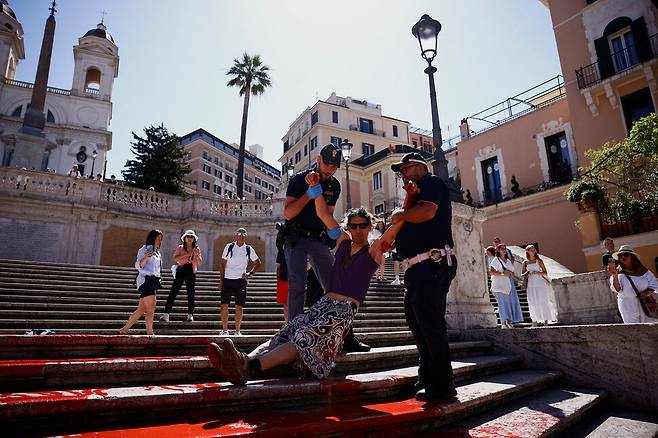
174 267
647 300
501 283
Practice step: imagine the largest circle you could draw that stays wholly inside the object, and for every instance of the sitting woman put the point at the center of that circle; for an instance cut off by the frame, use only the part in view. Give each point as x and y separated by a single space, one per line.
313 338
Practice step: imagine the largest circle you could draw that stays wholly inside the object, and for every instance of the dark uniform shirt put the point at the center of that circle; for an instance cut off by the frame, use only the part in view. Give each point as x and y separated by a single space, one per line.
418 238
308 218
606 258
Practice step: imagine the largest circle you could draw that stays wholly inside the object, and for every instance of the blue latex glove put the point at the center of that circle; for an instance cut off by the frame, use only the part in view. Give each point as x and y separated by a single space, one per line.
334 233
314 191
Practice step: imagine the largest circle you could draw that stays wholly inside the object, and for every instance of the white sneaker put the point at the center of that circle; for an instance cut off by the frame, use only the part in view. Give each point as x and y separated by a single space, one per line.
396 282
223 333
237 333
190 318
164 317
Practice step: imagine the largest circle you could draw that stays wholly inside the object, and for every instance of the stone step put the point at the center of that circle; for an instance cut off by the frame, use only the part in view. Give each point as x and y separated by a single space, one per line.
294 412
616 422
545 414
65 346
23 375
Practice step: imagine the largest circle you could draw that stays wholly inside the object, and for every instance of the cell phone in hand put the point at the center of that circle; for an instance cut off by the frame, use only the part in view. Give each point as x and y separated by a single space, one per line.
150 248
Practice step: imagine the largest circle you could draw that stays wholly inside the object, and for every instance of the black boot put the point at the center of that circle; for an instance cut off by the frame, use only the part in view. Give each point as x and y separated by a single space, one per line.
352 344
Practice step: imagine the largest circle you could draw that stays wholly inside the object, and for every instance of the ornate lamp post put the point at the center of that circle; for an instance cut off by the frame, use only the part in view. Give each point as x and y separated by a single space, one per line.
290 170
93 163
346 149
427 32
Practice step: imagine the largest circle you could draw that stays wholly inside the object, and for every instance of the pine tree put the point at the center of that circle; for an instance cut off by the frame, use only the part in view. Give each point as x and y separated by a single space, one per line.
159 161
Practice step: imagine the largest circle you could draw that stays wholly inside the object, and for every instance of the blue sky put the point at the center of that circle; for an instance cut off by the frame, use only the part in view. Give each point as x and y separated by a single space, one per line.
174 56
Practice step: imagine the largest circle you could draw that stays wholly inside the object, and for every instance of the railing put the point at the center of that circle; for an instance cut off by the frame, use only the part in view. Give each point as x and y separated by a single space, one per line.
487 199
47 186
613 225
376 132
92 91
29 85
616 63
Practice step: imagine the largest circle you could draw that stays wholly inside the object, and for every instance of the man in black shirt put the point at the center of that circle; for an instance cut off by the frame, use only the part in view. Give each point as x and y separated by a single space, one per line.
609 245
425 243
306 235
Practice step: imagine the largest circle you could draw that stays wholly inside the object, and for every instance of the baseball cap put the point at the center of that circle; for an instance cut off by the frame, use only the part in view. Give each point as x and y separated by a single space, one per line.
241 231
331 155
411 157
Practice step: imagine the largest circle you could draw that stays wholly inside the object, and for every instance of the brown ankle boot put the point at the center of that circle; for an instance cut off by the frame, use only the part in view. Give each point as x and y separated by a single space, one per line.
235 364
215 356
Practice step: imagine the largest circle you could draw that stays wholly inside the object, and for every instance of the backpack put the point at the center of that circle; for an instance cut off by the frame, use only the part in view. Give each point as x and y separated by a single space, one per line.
229 253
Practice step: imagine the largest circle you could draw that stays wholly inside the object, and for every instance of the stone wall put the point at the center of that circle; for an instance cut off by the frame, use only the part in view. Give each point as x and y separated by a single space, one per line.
621 358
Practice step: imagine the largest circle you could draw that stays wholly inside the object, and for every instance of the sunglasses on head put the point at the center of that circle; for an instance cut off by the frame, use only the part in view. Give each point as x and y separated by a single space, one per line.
363 226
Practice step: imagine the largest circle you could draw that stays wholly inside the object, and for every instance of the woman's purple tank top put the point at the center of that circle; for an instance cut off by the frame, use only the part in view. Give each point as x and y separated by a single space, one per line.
350 276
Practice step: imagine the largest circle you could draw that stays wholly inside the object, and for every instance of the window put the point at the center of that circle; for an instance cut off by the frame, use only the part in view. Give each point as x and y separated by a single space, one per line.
415 143
298 156
205 185
248 188
206 156
189 156
257 180
624 52
285 146
491 179
379 208
336 140
218 173
305 150
395 130
228 179
367 149
334 116
559 161
217 189
50 118
207 169
314 143
228 193
427 147
217 161
636 105
314 118
258 194
366 126
377 180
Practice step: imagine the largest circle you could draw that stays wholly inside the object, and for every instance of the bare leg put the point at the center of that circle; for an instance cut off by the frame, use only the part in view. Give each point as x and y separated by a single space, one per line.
261 349
224 312
149 305
381 266
134 317
280 355
238 317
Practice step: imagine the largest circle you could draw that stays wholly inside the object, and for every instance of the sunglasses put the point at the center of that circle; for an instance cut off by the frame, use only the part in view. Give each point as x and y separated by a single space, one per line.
623 255
363 226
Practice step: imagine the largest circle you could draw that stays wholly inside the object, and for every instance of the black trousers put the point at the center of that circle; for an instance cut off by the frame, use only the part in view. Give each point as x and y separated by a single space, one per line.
184 274
427 285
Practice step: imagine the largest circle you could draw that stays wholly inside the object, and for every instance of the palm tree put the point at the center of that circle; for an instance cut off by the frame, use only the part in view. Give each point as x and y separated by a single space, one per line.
251 75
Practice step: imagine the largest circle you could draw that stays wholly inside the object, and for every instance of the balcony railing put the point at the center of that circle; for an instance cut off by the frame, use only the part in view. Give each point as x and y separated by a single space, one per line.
491 199
376 132
616 63
29 85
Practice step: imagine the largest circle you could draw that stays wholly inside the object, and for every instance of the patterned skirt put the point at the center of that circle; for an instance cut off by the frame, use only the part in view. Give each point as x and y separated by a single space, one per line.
318 334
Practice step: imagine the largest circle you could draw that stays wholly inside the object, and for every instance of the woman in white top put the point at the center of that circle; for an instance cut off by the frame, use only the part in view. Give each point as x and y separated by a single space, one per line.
631 267
148 263
373 235
502 285
537 288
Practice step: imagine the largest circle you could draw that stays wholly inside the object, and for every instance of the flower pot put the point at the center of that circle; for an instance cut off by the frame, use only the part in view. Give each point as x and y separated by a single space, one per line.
586 205
648 223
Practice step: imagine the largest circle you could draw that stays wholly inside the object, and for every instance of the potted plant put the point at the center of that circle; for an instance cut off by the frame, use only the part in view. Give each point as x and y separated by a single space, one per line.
586 193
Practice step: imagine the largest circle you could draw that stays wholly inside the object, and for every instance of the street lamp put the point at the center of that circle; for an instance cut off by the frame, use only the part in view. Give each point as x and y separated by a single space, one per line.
346 149
93 163
427 32
290 170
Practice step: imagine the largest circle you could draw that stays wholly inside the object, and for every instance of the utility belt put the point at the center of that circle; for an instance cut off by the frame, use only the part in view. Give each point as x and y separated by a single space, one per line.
435 255
293 232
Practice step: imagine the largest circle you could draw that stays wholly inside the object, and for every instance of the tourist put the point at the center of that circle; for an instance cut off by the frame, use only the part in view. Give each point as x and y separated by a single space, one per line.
113 180
397 264
489 255
99 177
187 257
629 281
74 172
425 243
233 276
504 289
497 242
375 234
281 273
312 338
148 264
609 246
537 287
306 235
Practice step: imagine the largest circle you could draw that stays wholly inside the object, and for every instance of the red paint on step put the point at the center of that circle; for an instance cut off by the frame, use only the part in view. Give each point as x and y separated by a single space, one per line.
522 423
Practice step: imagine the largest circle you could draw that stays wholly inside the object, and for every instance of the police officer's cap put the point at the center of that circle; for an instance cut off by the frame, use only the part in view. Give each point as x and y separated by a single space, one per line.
411 157
331 155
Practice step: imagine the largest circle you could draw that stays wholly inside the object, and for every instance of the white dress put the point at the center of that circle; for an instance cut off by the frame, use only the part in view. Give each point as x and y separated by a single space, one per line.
629 304
538 292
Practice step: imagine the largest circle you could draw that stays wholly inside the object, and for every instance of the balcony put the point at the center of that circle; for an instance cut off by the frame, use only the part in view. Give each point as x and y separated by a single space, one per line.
488 199
617 63
376 132
29 85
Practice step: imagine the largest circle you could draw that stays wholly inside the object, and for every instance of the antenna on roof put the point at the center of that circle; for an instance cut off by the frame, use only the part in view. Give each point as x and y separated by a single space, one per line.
103 14
52 8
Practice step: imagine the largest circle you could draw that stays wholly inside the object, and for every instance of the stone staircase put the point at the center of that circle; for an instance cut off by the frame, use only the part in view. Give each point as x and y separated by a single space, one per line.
87 380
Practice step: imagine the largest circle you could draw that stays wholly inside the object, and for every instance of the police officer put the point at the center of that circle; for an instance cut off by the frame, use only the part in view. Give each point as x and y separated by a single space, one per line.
306 238
425 243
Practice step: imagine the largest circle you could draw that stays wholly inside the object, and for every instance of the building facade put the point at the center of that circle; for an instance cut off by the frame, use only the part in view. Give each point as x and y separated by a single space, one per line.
214 164
517 157
77 119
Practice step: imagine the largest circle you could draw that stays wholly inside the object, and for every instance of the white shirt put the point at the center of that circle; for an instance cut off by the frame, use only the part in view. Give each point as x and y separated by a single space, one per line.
629 305
236 266
151 265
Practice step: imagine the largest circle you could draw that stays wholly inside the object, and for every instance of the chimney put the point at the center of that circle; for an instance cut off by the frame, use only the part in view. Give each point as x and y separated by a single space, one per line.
464 130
